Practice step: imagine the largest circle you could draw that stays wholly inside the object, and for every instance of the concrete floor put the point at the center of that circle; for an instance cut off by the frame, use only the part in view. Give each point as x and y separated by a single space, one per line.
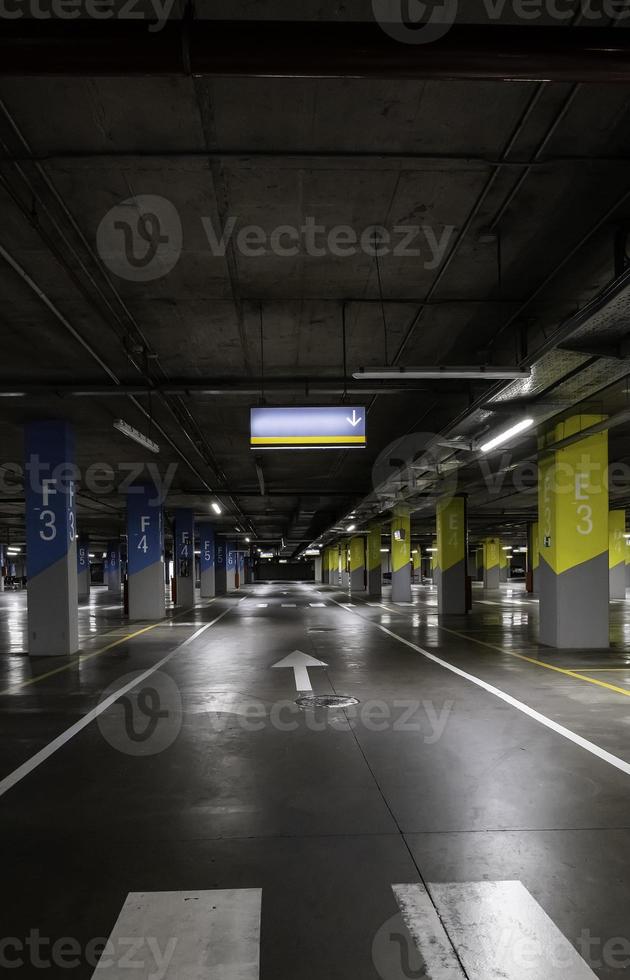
431 779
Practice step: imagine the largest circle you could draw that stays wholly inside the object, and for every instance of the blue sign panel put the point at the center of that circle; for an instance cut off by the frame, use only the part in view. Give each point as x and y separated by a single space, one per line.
206 547
113 556
50 494
342 427
144 528
232 556
220 554
184 533
83 555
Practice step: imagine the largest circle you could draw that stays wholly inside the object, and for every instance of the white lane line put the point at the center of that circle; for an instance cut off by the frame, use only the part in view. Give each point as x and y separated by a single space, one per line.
262 605
289 605
195 935
27 767
316 605
428 933
583 743
500 931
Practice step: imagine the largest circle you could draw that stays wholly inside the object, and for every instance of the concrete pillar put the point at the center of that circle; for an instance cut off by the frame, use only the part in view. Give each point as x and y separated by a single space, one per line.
533 554
317 569
617 554
184 557
145 550
220 569
357 563
416 565
451 554
627 554
573 516
231 565
503 563
479 562
345 565
401 556
435 564
51 545
206 560
83 567
112 565
491 563
3 559
373 557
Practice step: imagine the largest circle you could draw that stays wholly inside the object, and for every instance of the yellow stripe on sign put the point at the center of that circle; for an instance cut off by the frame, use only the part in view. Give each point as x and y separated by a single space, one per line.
306 440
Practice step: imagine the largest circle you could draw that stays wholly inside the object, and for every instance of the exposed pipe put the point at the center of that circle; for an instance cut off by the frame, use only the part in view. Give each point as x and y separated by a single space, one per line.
309 49
211 387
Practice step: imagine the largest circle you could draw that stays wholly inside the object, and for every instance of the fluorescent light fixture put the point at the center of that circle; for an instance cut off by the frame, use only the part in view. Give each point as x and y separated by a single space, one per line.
266 554
14 551
216 507
507 547
247 540
431 550
351 527
283 561
437 373
626 536
91 554
139 437
384 551
506 435
312 552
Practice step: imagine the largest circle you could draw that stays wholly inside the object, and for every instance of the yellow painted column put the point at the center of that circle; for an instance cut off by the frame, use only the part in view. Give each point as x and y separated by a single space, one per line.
491 563
357 563
533 553
451 555
401 555
617 554
573 519
374 560
503 563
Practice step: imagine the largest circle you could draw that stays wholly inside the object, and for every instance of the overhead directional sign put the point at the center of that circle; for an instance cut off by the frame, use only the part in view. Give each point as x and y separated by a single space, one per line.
341 427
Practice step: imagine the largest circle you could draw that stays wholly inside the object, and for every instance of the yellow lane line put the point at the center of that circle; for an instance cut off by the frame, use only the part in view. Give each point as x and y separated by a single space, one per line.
96 653
538 663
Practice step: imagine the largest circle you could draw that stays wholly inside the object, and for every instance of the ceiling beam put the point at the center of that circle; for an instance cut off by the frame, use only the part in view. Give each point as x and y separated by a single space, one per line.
310 49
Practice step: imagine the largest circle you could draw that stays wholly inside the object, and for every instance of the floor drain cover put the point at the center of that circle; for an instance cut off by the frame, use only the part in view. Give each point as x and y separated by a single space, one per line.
325 701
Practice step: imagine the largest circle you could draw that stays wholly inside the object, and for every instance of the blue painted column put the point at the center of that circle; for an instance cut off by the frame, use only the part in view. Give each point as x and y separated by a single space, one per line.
113 567
83 566
231 565
145 552
184 550
220 571
206 560
53 629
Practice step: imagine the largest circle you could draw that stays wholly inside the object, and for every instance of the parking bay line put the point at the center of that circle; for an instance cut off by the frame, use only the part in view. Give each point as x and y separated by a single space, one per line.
554 726
27 767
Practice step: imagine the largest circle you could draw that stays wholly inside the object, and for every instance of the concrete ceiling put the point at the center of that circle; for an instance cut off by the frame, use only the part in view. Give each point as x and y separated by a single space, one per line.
527 182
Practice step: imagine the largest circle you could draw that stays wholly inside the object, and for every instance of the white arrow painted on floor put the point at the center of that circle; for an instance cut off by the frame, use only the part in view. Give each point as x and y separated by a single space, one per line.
300 662
199 935
354 421
495 929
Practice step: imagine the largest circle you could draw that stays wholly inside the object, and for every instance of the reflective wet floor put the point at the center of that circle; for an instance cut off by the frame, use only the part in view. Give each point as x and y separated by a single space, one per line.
488 774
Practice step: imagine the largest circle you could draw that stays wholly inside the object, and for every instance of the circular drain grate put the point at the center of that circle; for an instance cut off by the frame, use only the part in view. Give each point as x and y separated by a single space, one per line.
326 701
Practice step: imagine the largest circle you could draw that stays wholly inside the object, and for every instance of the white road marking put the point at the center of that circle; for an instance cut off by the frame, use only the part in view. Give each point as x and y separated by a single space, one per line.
289 605
27 767
196 935
316 605
300 662
500 931
428 933
262 605
583 743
